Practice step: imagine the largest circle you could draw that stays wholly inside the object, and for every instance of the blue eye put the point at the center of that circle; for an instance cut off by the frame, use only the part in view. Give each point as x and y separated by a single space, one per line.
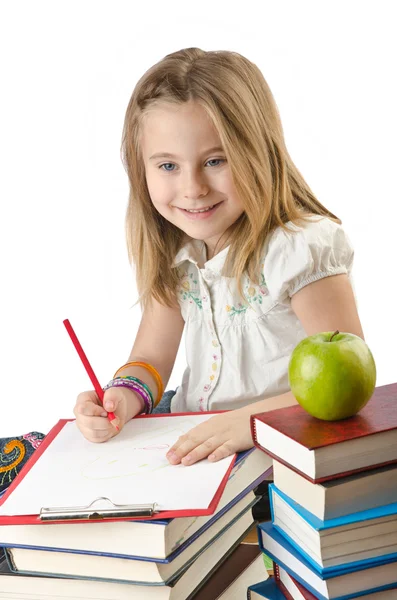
217 160
165 165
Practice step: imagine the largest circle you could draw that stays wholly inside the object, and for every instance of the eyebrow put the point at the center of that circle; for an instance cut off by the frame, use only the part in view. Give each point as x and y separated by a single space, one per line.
168 155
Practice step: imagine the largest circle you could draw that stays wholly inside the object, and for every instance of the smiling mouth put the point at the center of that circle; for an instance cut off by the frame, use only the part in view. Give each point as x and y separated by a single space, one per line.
199 210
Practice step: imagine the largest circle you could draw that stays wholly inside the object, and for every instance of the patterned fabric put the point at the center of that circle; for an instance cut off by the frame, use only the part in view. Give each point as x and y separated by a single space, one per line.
238 349
14 453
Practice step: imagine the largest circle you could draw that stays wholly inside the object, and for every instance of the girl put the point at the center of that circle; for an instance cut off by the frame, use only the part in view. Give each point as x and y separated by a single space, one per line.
229 243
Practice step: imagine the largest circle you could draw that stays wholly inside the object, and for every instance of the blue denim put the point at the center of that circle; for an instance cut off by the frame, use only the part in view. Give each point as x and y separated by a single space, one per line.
164 406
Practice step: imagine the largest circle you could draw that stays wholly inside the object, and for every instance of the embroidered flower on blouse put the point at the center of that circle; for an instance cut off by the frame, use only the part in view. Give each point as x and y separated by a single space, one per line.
253 293
189 290
236 310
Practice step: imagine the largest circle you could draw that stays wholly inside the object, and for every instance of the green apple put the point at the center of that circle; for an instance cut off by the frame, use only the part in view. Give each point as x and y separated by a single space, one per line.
332 375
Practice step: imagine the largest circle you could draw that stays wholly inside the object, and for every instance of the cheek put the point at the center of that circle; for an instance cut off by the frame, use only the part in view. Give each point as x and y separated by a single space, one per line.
228 185
232 194
160 194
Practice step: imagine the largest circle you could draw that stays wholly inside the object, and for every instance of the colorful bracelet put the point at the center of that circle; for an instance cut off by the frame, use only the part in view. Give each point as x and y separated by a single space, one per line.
152 370
147 388
136 387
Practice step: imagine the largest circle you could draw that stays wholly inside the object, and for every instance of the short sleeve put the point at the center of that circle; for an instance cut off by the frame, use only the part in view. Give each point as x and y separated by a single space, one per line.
318 248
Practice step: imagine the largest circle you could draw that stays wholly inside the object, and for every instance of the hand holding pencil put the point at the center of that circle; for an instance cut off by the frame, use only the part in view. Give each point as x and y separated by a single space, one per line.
92 418
101 415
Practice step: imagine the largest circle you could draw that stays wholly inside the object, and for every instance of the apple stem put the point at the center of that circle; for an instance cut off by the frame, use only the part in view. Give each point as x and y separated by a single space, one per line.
336 332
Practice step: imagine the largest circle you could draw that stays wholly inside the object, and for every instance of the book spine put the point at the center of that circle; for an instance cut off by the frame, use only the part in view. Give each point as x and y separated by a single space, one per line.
9 560
276 571
253 430
284 590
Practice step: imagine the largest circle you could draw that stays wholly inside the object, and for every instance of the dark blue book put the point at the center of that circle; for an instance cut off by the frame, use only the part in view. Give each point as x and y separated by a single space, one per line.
265 589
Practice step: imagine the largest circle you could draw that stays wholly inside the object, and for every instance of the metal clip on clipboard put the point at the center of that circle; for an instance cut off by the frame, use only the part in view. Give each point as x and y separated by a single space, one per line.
109 511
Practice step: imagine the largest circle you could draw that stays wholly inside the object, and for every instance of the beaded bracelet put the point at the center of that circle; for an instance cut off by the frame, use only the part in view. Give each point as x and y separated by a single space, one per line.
136 387
147 388
152 370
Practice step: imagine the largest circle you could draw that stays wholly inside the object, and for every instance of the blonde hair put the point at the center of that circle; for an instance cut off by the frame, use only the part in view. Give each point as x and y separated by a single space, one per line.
240 104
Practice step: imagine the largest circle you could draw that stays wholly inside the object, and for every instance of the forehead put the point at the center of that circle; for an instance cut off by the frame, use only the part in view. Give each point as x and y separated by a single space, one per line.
167 125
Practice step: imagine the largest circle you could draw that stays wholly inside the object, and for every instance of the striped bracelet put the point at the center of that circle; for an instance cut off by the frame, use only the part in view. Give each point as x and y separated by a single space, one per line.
140 382
152 370
136 387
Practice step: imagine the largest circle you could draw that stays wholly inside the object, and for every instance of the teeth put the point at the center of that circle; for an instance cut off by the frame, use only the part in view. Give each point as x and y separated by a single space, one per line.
201 210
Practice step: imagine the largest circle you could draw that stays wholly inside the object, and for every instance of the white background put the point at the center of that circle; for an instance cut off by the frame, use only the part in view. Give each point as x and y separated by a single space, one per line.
68 69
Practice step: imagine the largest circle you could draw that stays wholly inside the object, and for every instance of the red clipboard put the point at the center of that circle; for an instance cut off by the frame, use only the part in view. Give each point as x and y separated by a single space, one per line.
98 515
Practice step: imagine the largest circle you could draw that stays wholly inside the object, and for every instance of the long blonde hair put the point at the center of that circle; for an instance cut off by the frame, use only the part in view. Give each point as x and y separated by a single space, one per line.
240 104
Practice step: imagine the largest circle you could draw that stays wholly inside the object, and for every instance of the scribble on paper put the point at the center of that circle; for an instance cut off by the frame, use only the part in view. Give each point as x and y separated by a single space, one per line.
142 455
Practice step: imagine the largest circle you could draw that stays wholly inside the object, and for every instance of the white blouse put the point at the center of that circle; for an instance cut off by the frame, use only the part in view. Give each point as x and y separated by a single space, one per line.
238 351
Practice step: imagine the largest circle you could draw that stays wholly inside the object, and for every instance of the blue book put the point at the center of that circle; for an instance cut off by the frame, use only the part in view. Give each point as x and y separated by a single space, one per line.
341 585
265 589
337 544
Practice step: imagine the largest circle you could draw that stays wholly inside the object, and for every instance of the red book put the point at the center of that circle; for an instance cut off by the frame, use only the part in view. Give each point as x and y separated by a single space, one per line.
293 590
289 586
234 566
322 450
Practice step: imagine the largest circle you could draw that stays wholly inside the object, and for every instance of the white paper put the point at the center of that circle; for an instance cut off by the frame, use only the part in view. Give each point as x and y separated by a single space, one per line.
131 468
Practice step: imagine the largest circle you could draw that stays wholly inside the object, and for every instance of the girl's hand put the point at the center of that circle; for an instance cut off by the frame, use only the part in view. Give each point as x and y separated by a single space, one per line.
91 416
220 436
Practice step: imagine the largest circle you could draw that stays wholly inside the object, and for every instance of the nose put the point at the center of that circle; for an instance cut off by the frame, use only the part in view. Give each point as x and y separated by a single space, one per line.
195 186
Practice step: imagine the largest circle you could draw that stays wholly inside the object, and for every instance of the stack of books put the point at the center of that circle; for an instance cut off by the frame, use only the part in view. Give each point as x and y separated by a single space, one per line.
333 533
126 558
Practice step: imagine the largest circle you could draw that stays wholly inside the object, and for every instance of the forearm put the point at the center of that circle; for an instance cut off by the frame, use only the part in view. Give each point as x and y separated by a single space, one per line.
287 399
156 344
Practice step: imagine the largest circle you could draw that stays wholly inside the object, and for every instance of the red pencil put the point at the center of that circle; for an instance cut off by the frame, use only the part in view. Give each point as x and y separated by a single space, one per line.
111 416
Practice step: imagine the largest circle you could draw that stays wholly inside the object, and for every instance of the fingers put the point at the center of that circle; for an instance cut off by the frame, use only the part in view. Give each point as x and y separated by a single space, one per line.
226 449
218 437
200 451
182 447
91 418
97 435
89 409
190 451
111 399
86 399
